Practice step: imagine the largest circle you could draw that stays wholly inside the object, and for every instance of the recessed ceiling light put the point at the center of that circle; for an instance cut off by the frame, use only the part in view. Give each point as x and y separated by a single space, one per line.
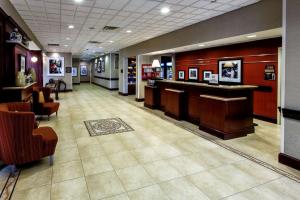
129 31
71 26
66 45
201 45
251 36
78 1
67 38
165 10
111 41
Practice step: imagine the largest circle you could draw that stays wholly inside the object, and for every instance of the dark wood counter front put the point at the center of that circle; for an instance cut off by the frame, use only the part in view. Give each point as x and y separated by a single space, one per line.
224 96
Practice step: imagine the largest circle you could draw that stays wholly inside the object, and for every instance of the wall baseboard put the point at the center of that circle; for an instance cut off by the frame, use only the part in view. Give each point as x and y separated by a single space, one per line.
267 119
289 161
139 100
123 94
76 83
112 89
84 82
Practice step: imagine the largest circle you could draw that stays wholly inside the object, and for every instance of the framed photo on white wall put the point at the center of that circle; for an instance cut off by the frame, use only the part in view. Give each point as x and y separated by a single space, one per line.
56 66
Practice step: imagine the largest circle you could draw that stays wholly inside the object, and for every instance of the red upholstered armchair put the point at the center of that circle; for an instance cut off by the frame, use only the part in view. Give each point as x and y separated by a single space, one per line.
20 142
46 108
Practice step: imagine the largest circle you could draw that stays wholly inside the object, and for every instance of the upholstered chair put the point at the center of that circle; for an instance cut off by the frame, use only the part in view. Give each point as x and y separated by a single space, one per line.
45 107
20 141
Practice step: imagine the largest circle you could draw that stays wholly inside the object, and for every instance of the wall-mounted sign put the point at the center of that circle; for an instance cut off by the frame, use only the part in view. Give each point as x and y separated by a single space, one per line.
270 73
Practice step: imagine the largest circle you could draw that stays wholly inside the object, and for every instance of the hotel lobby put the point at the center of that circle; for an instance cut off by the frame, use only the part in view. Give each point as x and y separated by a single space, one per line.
149 99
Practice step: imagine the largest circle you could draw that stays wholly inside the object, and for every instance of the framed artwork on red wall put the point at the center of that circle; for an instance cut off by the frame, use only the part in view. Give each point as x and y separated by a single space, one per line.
206 75
181 75
230 71
193 74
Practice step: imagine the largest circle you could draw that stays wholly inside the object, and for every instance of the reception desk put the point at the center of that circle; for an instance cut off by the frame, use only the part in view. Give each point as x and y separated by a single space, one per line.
222 110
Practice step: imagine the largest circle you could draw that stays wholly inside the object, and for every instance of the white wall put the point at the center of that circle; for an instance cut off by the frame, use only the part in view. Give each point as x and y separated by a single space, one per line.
67 63
123 74
290 76
108 78
140 84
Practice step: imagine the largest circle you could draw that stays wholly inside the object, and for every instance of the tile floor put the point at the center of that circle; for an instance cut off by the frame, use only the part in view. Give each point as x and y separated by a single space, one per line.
158 160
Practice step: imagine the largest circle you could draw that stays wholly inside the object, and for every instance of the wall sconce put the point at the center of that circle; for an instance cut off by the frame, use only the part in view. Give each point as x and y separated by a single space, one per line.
155 63
34 59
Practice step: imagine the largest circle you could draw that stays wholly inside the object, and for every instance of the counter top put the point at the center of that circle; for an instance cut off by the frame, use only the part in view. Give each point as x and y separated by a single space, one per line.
19 88
223 98
226 87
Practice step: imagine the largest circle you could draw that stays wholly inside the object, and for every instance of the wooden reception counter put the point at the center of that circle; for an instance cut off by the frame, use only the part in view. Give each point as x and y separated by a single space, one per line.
222 110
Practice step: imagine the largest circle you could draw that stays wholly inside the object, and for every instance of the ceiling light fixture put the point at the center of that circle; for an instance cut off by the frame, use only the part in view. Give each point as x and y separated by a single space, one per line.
71 26
67 38
201 45
111 41
251 36
66 45
78 1
129 31
165 10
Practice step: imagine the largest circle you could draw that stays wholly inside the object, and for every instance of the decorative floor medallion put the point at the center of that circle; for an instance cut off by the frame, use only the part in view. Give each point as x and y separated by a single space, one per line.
107 126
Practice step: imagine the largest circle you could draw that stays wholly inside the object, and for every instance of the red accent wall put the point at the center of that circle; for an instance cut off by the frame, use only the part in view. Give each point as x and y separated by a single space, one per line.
256 55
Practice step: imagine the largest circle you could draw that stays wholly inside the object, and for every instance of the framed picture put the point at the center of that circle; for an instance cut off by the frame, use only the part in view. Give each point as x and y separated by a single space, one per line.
102 64
83 70
181 75
193 74
68 70
206 75
230 71
22 62
56 66
74 72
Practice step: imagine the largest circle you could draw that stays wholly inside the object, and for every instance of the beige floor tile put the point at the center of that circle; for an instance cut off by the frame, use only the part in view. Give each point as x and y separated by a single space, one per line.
118 197
133 143
91 151
185 165
96 165
67 171
148 193
104 185
134 177
161 171
65 144
181 188
35 176
122 159
39 193
113 147
71 189
86 141
108 138
211 185
167 151
66 155
145 155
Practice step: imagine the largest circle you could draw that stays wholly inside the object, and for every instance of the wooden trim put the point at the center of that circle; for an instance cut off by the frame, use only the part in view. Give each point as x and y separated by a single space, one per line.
105 78
291 114
267 119
289 161
123 94
112 89
140 100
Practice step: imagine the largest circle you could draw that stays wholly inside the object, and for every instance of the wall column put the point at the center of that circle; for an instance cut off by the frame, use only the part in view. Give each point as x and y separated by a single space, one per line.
290 134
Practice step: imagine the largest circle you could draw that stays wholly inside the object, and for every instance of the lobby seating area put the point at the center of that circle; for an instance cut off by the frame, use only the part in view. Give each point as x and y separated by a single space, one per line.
21 140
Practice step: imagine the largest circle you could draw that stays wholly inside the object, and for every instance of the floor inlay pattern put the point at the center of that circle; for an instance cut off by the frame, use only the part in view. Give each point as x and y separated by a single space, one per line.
107 126
7 183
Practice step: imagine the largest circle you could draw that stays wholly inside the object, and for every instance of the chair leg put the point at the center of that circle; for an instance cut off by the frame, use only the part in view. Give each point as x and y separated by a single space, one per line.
13 170
56 114
51 160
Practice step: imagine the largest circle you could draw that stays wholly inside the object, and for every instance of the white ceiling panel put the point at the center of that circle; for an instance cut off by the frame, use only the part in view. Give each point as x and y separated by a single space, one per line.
49 20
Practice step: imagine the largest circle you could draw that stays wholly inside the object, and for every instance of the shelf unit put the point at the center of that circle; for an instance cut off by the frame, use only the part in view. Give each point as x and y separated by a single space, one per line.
131 76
